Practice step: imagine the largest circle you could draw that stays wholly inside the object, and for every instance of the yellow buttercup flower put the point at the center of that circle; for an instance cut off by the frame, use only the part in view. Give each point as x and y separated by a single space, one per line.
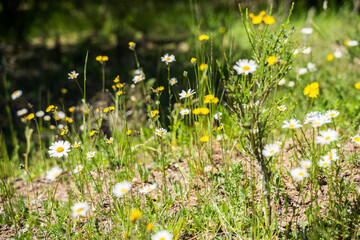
128 132
117 79
262 13
49 108
102 59
193 60
204 111
256 19
196 111
71 109
64 90
70 120
92 133
106 110
30 116
269 20
271 60
149 227
111 108
154 113
64 131
159 89
203 37
203 67
357 85
119 93
211 99
330 57
135 214
312 90
204 139
132 45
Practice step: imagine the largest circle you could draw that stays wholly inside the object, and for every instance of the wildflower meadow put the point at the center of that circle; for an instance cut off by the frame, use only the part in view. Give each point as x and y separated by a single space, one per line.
247 128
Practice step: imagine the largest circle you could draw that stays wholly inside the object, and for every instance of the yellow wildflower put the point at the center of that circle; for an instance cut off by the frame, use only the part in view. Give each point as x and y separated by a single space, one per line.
269 20
159 89
106 110
64 90
204 111
203 67
49 108
119 93
271 60
135 214
102 59
111 108
149 227
256 19
357 85
196 111
70 120
204 139
30 116
312 90
211 99
132 45
117 79
71 109
330 57
64 131
193 60
92 133
154 113
128 132
203 37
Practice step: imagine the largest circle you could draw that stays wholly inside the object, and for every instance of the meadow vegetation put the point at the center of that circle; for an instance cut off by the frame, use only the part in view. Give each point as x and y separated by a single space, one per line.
256 138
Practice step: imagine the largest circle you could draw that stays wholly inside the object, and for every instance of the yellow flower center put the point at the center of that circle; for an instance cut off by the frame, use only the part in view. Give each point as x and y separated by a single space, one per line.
16 92
332 114
162 238
79 168
123 190
73 75
306 166
60 149
325 164
160 132
168 59
149 189
356 139
301 174
55 175
246 68
327 138
292 125
271 151
79 210
110 141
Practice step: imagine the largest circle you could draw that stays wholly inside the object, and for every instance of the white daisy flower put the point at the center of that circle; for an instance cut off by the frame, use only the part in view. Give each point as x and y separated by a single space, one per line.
338 54
305 164
187 94
121 188
162 235
185 111
292 124
110 140
40 114
53 173
60 126
173 81
218 115
332 113
208 168
282 82
291 84
138 78
296 51
60 115
148 188
47 118
270 150
16 94
281 108
76 144
306 50
331 156
73 75
21 112
138 72
160 131
318 120
78 168
311 67
168 58
245 66
299 174
356 139
278 143
307 30
352 43
324 163
79 209
328 136
90 155
302 71
59 149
